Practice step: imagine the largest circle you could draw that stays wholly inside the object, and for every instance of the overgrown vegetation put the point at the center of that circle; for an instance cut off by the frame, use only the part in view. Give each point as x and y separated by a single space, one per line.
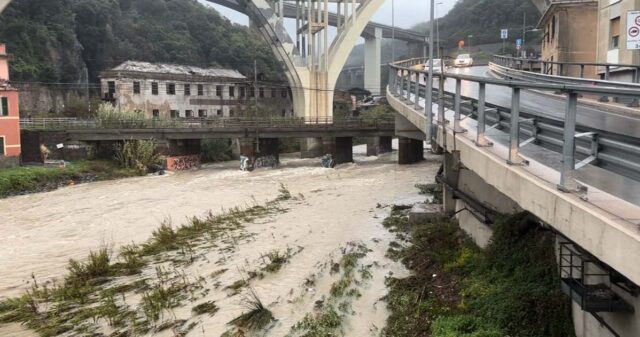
110 116
137 154
97 289
456 289
257 317
23 180
215 150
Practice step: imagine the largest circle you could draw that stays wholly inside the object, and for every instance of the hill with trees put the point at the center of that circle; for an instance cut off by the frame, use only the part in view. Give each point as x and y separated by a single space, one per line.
72 41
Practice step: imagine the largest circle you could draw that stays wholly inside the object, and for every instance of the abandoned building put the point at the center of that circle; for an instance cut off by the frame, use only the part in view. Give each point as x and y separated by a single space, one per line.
177 91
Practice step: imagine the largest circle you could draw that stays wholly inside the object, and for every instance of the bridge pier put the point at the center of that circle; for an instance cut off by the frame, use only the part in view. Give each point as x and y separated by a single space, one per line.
410 151
183 154
372 60
264 153
310 147
378 145
340 148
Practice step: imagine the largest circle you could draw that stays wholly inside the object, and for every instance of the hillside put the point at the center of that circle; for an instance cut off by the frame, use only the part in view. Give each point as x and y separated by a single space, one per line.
483 19
71 41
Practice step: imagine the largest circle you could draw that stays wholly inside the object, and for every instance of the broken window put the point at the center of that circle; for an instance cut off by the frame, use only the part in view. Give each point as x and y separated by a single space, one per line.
218 90
188 113
136 87
187 90
202 113
154 88
171 88
219 112
200 90
175 114
232 91
111 88
155 113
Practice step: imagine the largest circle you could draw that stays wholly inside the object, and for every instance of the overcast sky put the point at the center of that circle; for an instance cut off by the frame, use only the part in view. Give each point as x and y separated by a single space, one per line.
407 12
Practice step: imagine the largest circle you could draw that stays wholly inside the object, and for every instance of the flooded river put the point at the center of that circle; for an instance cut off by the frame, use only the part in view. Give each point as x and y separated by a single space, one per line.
39 233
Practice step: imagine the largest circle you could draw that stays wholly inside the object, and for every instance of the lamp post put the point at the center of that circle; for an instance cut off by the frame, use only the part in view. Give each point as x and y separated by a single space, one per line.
438 30
428 106
393 31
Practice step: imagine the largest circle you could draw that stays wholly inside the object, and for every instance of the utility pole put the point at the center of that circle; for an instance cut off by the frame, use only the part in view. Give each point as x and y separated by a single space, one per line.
428 107
438 31
255 84
524 28
393 31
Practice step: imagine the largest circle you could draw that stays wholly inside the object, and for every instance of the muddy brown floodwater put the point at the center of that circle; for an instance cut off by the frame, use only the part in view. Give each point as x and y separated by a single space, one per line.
39 233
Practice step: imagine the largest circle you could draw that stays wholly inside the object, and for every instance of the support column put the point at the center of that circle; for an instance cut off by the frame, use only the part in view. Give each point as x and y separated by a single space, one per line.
410 151
183 154
451 165
372 60
344 150
378 145
310 147
268 154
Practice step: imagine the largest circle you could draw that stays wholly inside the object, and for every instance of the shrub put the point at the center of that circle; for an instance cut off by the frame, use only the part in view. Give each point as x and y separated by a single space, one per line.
139 155
214 150
111 117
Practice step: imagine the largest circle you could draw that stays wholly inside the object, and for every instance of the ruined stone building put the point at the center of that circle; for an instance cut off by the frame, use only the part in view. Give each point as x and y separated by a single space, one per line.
177 91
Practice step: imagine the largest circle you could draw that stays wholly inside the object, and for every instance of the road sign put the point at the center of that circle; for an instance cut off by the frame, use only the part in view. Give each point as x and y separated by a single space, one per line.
504 34
633 30
519 42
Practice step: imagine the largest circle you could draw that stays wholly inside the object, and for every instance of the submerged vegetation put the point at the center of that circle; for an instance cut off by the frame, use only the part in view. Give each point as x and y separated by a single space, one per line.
102 287
456 289
23 180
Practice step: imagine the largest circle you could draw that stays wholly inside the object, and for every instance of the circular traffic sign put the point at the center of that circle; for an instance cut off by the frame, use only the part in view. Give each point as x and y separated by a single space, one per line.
634 31
638 20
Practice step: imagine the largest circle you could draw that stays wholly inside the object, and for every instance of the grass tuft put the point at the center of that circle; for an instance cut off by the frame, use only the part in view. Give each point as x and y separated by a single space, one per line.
258 316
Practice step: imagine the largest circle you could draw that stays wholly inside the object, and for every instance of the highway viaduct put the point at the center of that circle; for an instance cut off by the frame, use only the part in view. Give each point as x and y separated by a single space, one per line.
509 146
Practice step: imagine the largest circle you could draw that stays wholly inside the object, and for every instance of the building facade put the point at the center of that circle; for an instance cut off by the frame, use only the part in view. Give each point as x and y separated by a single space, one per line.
9 116
612 35
570 28
166 91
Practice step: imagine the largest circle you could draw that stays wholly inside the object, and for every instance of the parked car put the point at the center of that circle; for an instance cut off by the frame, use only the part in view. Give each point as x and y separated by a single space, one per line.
463 60
438 66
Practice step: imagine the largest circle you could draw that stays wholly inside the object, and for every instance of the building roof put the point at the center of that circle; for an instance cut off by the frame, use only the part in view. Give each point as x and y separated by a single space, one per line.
175 69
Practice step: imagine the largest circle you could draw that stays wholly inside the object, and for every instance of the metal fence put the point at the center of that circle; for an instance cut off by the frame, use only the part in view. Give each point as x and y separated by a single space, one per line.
617 152
205 123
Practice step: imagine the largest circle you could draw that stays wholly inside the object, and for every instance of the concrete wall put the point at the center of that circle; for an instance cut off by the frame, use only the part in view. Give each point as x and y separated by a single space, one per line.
574 36
608 10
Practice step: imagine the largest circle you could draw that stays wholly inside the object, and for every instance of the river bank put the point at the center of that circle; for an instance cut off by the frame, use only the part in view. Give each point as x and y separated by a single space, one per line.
334 211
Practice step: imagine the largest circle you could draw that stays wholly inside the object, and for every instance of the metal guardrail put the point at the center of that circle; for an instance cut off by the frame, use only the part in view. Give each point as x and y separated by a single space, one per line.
523 69
614 152
205 123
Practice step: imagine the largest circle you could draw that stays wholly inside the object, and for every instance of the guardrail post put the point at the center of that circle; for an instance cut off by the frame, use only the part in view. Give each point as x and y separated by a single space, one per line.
441 119
634 103
456 108
582 71
480 139
607 72
561 70
514 132
401 86
417 91
408 96
543 68
567 182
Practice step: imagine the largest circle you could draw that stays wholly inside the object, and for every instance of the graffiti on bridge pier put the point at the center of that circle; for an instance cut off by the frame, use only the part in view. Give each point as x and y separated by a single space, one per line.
181 163
247 164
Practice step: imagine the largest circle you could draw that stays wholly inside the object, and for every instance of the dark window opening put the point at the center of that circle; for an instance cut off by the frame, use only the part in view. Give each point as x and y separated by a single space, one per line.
200 90
252 92
156 113
187 90
232 91
261 92
175 114
188 113
218 90
231 113
136 87
202 113
273 93
1 146
553 27
171 88
219 112
4 108
154 88
242 91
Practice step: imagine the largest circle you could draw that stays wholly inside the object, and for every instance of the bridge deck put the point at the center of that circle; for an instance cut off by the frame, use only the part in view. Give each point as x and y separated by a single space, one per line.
604 223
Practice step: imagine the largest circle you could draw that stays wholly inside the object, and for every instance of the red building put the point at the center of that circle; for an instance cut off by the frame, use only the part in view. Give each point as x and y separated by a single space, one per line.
9 116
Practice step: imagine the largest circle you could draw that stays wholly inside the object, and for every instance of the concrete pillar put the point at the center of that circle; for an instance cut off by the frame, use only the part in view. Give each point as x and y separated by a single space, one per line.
451 165
268 149
372 60
310 147
340 148
378 145
248 148
410 151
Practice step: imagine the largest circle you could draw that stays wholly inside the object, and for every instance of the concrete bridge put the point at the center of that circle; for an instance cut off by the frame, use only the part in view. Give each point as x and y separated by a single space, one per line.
499 159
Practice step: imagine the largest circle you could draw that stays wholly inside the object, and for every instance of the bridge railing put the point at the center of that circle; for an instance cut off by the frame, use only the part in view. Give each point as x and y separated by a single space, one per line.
205 123
561 134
